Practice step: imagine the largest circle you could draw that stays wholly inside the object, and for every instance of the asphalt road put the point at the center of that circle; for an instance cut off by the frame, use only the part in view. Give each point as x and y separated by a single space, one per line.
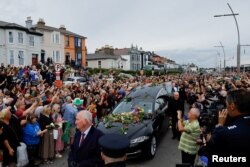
167 155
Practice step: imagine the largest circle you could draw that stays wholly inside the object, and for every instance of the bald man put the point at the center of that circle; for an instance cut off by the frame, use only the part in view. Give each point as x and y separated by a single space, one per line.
175 104
85 150
190 133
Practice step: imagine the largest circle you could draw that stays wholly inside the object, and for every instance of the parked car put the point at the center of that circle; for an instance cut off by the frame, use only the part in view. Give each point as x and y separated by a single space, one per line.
72 80
143 135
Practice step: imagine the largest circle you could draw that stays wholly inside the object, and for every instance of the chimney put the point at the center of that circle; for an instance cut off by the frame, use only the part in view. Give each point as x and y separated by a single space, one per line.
28 22
40 22
62 27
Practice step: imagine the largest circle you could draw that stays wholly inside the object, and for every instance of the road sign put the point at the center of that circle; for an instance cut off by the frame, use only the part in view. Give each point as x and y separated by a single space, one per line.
58 83
58 67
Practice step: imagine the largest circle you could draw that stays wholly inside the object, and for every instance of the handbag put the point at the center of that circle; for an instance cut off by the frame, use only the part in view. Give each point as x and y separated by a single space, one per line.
22 156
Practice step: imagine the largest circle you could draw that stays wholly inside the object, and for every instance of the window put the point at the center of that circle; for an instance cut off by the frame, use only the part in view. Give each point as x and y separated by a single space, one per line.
31 40
67 41
21 57
56 38
99 64
12 60
86 63
56 56
11 39
78 42
159 103
20 37
79 56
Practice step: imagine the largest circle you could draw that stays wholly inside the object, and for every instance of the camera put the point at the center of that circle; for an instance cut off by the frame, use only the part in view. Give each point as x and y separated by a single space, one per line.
209 116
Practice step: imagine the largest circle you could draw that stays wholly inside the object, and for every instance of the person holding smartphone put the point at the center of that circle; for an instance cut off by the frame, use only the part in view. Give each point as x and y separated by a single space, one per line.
232 139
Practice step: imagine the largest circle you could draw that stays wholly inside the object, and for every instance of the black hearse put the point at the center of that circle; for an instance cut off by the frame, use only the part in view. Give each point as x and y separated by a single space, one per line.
144 135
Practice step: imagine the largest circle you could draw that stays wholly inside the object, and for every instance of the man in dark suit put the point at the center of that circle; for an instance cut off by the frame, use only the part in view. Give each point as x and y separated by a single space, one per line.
174 105
85 151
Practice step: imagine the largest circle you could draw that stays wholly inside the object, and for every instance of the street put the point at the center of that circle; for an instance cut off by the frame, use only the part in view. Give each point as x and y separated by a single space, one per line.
167 155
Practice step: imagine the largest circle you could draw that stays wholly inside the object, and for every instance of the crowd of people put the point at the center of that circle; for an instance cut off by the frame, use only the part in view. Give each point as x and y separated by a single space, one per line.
34 111
227 136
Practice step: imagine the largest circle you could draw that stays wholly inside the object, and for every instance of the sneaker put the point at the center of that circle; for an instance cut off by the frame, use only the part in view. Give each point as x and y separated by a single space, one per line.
58 155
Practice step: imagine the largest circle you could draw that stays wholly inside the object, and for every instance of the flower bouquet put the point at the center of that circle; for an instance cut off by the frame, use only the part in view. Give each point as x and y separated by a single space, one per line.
126 118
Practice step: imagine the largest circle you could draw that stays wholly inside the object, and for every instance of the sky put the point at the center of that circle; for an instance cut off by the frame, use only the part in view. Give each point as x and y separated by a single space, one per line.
183 30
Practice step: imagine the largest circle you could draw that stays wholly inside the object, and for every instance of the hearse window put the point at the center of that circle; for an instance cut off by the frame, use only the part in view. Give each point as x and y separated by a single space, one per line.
158 103
161 93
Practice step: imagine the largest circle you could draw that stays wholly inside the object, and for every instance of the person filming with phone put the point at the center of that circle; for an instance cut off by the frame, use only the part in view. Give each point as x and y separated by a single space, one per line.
229 142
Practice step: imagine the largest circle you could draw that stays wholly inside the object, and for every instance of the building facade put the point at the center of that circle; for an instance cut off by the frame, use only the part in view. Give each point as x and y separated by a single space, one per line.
59 44
98 60
133 56
52 43
19 46
75 48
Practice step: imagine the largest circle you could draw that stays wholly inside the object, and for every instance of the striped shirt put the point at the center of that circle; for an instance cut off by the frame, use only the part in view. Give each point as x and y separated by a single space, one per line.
189 137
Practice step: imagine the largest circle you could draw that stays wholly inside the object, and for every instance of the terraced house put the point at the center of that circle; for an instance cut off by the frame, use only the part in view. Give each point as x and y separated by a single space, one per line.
19 45
59 44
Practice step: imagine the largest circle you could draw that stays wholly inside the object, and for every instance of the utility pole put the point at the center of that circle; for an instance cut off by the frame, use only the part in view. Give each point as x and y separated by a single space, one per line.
238 32
221 46
244 65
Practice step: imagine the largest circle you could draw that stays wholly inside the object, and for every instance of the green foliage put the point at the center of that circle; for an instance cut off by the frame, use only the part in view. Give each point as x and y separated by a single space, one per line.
134 73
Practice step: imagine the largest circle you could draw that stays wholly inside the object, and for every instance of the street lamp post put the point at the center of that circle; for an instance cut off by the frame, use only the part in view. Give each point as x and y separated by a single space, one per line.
218 53
221 46
244 65
238 32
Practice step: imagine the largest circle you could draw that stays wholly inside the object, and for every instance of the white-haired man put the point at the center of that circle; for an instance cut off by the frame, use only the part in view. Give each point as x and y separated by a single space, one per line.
85 150
190 133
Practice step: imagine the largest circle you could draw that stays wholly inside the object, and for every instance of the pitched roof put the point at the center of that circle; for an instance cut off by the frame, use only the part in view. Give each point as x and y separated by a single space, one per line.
63 31
124 51
66 32
6 25
97 56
